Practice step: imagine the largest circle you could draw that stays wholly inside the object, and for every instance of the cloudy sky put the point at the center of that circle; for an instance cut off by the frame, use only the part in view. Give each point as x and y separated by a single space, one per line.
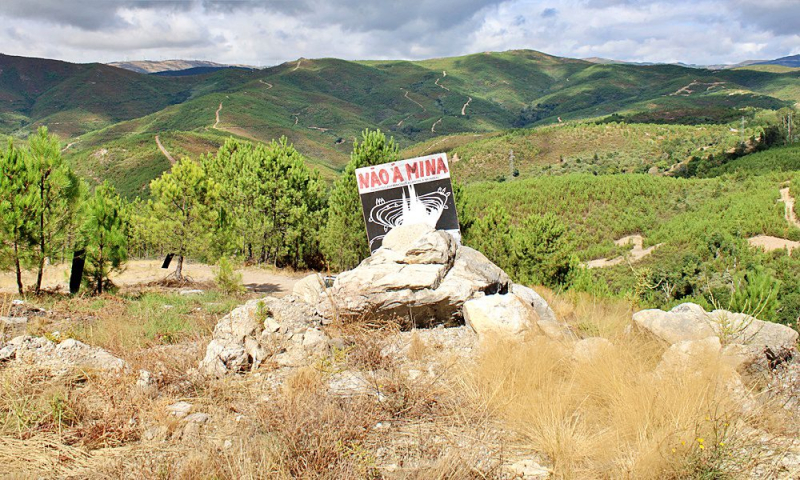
266 32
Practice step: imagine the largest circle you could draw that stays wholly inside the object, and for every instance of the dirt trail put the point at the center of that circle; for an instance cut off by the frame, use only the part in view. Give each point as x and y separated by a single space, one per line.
464 108
409 98
69 145
269 85
637 252
788 202
770 243
138 272
440 85
216 114
687 90
164 151
433 127
299 61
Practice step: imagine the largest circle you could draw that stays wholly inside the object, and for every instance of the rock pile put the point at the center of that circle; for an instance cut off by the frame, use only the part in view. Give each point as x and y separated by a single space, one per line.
58 357
284 329
419 275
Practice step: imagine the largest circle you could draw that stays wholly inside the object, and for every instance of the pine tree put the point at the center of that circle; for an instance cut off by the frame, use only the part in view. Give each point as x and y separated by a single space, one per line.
19 205
543 252
273 205
344 242
492 235
183 211
104 235
58 192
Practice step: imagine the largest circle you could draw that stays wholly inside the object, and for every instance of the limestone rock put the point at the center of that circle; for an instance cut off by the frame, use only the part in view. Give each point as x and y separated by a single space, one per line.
262 329
499 314
180 409
418 273
59 357
548 323
688 354
684 322
309 289
528 470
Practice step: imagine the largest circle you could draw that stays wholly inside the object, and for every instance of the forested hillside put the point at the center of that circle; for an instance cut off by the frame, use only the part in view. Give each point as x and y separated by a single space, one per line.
320 105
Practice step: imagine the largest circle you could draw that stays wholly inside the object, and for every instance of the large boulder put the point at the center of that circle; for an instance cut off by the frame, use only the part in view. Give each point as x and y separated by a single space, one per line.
286 330
746 343
419 273
59 357
506 315
691 322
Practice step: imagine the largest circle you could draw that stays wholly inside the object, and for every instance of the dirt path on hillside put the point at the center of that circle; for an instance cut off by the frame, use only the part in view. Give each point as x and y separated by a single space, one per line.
687 90
140 272
440 85
164 151
433 127
69 145
788 202
637 252
464 108
216 114
770 243
269 85
299 61
416 102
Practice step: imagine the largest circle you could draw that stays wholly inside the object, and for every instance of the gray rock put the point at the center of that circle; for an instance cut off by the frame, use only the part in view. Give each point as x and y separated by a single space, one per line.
419 273
261 329
197 417
308 289
191 292
499 314
684 322
59 357
528 470
691 322
179 409
14 320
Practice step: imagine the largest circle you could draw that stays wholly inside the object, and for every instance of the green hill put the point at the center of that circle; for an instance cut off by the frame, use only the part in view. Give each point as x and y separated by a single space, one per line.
322 104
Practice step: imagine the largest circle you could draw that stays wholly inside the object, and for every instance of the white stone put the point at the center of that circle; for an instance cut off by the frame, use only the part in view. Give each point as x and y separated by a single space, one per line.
308 289
499 314
179 409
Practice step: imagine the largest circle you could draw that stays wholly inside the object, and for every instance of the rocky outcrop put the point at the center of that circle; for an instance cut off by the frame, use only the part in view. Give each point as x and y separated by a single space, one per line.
744 343
285 330
420 274
691 322
59 357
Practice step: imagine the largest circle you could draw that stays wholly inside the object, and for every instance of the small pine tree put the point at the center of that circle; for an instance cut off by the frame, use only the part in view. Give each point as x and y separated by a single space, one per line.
183 211
227 279
344 242
492 235
19 205
104 235
58 191
543 252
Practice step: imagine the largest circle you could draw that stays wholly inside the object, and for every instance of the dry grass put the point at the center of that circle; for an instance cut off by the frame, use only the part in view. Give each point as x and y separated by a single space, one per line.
611 418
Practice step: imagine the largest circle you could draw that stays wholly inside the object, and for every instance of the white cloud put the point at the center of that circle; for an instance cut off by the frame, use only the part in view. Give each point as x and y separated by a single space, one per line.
265 32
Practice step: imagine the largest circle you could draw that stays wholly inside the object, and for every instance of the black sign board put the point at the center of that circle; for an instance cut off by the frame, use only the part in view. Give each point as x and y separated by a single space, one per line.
417 190
78 263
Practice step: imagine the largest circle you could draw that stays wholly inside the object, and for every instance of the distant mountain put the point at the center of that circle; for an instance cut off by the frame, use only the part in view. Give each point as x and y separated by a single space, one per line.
195 71
110 116
152 66
721 66
790 61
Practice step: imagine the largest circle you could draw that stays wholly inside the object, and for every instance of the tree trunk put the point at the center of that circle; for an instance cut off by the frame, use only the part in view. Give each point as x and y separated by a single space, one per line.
19 270
39 275
179 270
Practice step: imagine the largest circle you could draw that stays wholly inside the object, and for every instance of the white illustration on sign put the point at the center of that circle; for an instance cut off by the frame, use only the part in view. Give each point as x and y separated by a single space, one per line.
426 208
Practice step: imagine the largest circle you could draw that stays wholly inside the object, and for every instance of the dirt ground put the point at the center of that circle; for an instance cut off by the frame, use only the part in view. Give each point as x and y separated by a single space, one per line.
262 280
